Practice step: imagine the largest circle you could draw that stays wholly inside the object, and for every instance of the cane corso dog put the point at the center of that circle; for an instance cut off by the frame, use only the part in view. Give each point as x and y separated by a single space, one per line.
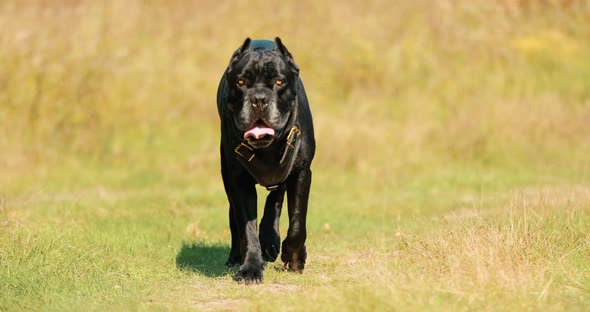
266 138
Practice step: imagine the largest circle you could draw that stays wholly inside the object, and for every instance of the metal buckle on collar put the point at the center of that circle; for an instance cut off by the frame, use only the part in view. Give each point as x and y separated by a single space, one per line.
294 130
293 134
249 150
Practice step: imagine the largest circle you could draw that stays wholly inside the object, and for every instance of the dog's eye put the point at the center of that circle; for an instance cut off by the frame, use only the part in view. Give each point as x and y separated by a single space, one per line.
279 82
241 82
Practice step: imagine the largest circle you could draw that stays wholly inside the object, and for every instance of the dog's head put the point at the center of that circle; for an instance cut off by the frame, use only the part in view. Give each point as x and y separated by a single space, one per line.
262 79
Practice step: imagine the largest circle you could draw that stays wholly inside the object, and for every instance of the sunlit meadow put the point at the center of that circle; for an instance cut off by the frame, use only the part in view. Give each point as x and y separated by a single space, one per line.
452 170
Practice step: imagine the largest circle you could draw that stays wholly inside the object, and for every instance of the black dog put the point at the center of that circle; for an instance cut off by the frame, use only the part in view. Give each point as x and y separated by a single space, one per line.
266 138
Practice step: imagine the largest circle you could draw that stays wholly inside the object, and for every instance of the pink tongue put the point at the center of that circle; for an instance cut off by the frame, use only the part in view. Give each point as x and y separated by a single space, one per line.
259 132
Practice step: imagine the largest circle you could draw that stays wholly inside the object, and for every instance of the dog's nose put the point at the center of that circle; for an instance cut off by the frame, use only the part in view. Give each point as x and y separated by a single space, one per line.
259 100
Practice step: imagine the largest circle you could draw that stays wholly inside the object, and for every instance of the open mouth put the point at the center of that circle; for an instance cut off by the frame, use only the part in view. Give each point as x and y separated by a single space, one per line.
259 130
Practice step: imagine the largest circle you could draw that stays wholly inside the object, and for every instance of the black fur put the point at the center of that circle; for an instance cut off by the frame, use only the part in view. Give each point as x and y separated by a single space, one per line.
258 64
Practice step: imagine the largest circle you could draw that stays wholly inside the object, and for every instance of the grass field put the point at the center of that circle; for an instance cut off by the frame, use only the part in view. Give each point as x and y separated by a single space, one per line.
452 171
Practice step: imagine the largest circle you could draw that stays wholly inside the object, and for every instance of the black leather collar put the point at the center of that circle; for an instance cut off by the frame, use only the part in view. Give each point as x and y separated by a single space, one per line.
268 171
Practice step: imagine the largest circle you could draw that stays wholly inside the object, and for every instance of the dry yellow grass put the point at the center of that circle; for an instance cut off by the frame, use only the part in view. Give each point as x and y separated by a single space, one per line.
464 77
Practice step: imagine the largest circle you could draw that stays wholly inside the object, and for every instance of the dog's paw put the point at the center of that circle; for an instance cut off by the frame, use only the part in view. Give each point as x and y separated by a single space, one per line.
249 274
270 245
294 261
270 252
294 266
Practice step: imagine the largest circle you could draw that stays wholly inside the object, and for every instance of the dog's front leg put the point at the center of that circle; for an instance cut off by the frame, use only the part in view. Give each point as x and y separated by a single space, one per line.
243 198
294 253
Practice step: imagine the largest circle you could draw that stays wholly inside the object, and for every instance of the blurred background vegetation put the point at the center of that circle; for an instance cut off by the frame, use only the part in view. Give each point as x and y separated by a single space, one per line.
396 87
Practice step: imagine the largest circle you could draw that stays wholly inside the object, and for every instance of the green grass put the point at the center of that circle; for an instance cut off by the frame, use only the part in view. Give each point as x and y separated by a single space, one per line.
437 242
452 168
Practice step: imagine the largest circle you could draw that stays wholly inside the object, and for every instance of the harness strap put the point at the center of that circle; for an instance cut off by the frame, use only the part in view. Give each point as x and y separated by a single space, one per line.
270 173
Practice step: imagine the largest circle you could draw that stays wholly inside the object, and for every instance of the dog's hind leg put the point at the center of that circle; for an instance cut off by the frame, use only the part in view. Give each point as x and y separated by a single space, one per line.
234 257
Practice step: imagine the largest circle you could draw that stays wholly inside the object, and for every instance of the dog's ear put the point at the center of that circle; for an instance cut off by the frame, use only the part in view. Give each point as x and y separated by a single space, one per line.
286 54
245 45
236 56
